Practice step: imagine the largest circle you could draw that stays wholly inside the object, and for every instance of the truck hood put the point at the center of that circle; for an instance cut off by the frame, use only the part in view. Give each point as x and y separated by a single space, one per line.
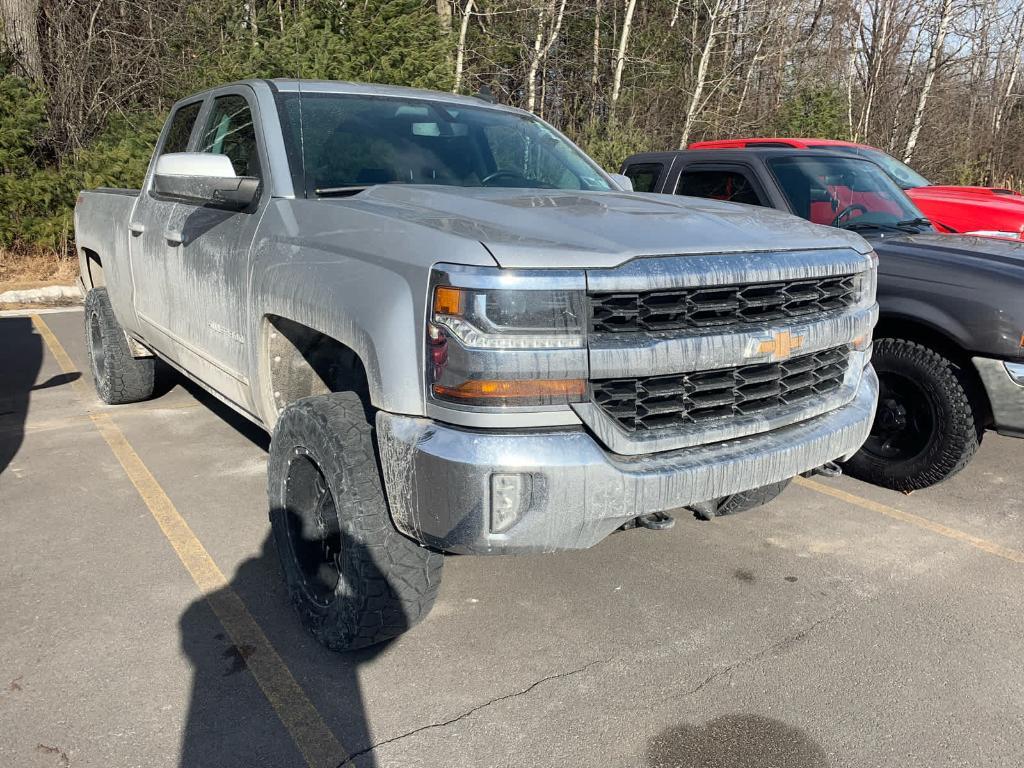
529 228
1000 193
983 252
983 208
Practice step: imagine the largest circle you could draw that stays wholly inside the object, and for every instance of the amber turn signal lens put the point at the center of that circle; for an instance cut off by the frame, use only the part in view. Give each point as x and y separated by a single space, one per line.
447 301
503 389
862 342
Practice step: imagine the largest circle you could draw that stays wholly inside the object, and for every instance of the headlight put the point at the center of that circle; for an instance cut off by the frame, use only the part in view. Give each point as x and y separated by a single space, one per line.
864 283
502 338
511 319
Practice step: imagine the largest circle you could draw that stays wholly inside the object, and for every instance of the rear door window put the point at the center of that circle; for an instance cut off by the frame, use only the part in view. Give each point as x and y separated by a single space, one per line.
644 176
732 185
230 131
181 128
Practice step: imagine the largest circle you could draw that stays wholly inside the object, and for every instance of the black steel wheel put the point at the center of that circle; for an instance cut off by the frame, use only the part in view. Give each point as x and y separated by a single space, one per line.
353 578
925 428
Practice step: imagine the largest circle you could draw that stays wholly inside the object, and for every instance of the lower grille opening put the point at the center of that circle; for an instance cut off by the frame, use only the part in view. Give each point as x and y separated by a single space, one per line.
711 397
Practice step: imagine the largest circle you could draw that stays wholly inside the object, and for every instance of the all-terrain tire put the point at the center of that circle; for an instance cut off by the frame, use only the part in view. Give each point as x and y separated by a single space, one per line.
119 377
956 433
755 497
385 582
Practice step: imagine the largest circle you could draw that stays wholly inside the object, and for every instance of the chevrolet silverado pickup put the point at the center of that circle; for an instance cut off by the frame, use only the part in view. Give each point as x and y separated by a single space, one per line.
983 211
949 347
464 336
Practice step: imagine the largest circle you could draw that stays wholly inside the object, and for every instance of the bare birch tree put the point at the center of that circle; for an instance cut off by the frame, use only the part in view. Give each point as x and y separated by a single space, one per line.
549 24
935 61
620 55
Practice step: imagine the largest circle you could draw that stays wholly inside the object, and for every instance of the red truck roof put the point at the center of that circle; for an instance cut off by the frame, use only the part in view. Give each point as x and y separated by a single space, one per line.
782 142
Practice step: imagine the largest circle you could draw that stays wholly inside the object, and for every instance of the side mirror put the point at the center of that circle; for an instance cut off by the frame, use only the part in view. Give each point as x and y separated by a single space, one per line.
624 182
200 178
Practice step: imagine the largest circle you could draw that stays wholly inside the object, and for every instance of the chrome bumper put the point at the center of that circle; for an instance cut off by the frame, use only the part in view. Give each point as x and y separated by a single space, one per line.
1005 393
438 478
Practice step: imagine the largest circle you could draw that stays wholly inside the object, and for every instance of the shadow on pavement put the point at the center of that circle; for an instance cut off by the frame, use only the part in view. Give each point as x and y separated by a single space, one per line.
223 728
167 378
735 741
20 361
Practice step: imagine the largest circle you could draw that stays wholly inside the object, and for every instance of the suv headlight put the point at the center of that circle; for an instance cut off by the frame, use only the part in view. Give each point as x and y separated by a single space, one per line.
506 338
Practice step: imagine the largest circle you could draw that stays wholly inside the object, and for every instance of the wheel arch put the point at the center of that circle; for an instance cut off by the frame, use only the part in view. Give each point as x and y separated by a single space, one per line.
298 360
91 267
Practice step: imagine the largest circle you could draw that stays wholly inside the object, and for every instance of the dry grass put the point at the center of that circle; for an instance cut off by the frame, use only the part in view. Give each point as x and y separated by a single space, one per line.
35 269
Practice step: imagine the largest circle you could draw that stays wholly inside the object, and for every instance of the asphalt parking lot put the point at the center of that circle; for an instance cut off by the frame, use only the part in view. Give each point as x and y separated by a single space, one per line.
143 621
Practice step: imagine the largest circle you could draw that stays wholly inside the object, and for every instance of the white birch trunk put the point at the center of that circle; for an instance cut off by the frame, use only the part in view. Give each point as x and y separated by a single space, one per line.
460 50
620 56
702 73
541 49
934 61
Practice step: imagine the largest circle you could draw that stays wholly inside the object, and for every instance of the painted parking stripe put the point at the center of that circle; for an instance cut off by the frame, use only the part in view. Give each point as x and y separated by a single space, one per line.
316 742
977 542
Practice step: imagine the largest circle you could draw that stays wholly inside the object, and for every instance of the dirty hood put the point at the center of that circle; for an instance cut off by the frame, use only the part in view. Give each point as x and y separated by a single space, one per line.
554 228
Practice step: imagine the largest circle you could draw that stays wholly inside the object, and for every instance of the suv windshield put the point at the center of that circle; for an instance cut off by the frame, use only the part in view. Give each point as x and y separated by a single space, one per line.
899 172
844 192
347 142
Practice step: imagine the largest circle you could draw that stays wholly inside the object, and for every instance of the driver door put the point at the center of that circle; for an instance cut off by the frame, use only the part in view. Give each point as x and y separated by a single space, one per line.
206 257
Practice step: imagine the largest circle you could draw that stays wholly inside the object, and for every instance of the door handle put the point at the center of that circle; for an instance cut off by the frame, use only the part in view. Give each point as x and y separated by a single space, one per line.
174 237
136 228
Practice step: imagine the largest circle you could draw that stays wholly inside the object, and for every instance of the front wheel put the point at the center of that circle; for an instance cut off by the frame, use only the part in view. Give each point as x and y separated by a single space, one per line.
352 577
925 429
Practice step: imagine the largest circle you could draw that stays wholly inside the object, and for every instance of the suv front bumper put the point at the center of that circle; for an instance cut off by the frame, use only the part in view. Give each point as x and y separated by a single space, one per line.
1003 385
439 478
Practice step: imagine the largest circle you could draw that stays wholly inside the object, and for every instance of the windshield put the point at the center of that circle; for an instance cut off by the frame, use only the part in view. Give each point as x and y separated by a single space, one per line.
844 192
350 141
899 172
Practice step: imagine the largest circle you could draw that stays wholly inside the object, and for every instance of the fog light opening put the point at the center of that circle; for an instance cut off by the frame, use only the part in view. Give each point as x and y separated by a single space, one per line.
511 494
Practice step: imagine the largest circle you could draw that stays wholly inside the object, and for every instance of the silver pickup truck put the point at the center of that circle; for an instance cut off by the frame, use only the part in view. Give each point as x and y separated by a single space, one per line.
465 336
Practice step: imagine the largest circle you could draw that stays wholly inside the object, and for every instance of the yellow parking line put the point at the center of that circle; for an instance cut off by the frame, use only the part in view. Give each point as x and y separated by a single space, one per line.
314 739
921 522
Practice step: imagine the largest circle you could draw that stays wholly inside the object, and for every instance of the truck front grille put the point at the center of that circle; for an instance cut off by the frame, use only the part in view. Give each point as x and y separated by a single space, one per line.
719 306
704 397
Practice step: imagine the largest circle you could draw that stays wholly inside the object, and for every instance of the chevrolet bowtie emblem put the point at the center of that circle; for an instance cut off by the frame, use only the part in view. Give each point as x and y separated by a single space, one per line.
780 346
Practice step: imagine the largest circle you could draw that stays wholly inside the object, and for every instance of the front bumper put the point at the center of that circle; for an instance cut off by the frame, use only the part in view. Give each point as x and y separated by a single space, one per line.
1005 394
438 477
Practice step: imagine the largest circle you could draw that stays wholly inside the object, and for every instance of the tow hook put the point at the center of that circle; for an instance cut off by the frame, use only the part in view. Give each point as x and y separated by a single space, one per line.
656 521
828 469
706 510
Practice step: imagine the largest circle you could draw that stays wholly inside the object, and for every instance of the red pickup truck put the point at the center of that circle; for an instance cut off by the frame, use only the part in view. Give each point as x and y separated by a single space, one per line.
985 211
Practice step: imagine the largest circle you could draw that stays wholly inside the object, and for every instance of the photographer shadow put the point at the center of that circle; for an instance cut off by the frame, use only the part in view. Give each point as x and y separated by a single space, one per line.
230 722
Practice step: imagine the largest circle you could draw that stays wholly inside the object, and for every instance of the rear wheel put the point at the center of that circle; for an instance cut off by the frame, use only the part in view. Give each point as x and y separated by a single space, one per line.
119 377
925 428
352 577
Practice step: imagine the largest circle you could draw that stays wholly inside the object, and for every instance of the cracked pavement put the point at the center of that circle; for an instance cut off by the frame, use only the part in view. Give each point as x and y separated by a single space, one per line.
809 633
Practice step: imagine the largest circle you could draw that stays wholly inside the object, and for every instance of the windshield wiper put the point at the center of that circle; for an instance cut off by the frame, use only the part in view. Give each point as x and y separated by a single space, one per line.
856 226
342 191
919 221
